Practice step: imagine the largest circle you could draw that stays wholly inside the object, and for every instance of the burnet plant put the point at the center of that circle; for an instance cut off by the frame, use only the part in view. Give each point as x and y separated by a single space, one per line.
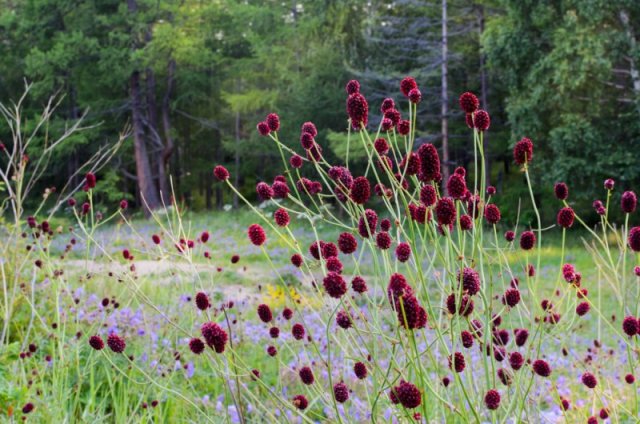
444 324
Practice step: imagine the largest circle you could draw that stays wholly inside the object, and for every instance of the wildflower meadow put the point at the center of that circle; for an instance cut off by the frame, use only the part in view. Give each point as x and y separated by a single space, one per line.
396 294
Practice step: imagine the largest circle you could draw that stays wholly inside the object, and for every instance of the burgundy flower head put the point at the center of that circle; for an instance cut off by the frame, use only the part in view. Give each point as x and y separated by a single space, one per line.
481 120
287 313
116 343
387 104
629 202
265 192
516 360
341 392
343 319
273 121
306 375
469 103
582 308
202 301
358 110
295 161
541 367
360 370
492 399
263 128
221 173
264 313
403 252
404 127
609 183
196 345
309 128
298 331
360 190
589 380
347 243
457 362
509 236
368 223
214 335
96 342
527 240
281 217
383 240
445 211
492 214
358 284
561 191
634 239
300 402
565 217
428 195
429 163
466 223
90 180
456 186
381 146
415 96
523 151
630 326
256 234
335 285
408 84
408 394
353 87
470 280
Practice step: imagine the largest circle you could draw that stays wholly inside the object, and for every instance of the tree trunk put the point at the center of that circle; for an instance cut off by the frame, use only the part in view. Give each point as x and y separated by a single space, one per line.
483 95
154 129
143 168
445 100
166 125
236 174
633 69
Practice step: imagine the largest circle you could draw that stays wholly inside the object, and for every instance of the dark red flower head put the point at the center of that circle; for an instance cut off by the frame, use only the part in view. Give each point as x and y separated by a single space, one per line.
565 217
516 360
527 240
297 331
408 394
403 251
358 284
368 223
415 96
541 367
310 128
470 280
256 234
300 402
116 343
347 243
589 380
273 121
469 103
509 236
383 240
264 313
456 186
634 239
481 120
360 370
561 191
335 285
96 342
265 192
457 362
428 195
511 297
360 190
196 345
629 202
609 183
465 308
281 217
630 326
387 104
90 179
27 408
358 110
582 308
429 163
408 84
214 335
411 314
393 115
353 87
280 190
445 211
295 161
466 223
202 301
523 151
263 128
492 399
343 319
404 127
492 214
221 173
341 392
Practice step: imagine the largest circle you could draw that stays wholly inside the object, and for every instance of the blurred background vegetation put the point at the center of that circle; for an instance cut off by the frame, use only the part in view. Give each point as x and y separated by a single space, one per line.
193 77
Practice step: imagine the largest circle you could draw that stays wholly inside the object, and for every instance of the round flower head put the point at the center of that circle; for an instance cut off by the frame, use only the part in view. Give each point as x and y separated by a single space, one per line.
358 110
300 402
541 367
297 260
511 297
221 173
630 326
281 217
397 288
256 234
561 191
341 392
274 332
96 342
387 124
116 343
636 271
509 236
214 335
492 214
492 399
202 301
387 104
393 115
410 164
280 190
522 335
516 360
634 239
329 250
456 186
353 87
481 120
196 345
527 240
295 161
90 179
457 362
582 308
264 313
466 305
629 378
408 395
335 285
505 376
343 319
263 128
411 314
609 183
381 146
404 127
27 408
589 380
383 240
368 223
273 121
523 151
298 331
466 338
429 163
306 375
358 284
403 252
309 128
360 190
272 351
408 84
629 202
428 195
307 141
347 243
565 217
415 96
470 280
446 211
469 103
334 264
360 370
